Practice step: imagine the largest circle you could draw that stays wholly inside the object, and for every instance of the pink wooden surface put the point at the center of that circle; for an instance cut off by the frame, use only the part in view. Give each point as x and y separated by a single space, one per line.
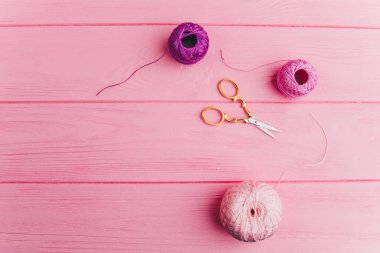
136 170
44 65
169 142
338 13
181 218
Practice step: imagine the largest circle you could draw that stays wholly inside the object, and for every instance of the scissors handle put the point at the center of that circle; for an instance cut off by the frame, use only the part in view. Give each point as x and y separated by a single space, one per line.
220 88
234 97
223 117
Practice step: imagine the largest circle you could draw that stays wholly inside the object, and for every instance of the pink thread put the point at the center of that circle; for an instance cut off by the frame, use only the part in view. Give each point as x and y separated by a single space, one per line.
326 144
296 78
245 70
133 73
281 177
251 211
313 164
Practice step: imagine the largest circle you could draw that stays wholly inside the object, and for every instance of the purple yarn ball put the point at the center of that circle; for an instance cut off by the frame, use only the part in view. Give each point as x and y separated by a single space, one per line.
297 78
188 43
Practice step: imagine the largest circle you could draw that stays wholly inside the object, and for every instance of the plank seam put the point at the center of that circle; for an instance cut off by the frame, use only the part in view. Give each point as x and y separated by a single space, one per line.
185 102
203 24
197 182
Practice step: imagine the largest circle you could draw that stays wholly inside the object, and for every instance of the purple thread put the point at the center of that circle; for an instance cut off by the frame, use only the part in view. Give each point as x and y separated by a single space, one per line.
296 78
188 43
133 73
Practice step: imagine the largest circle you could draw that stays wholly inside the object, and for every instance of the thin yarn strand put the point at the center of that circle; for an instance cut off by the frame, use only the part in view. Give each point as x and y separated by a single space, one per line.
244 70
281 178
326 144
131 75
313 164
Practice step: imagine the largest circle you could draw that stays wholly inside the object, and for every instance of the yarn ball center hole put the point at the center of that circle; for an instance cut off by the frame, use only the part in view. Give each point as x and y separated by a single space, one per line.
301 76
189 41
256 212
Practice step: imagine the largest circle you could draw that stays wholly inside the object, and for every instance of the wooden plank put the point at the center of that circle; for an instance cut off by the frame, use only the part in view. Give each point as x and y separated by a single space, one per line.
169 142
325 217
272 12
69 63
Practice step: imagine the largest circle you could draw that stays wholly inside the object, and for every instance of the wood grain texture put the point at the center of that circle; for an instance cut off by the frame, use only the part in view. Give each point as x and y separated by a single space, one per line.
74 63
272 12
169 142
136 170
182 218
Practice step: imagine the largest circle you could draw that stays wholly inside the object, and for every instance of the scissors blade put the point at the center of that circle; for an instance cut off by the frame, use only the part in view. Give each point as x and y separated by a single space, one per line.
265 130
256 122
262 124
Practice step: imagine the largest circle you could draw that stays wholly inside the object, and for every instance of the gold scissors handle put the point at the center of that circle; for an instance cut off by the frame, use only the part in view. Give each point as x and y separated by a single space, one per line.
220 88
223 117
234 97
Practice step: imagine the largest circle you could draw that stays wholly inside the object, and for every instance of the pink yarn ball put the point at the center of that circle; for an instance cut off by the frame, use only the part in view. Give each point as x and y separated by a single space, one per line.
250 211
296 78
188 43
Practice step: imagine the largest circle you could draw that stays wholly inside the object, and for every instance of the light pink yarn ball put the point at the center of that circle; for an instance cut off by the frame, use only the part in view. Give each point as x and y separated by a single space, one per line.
251 211
296 78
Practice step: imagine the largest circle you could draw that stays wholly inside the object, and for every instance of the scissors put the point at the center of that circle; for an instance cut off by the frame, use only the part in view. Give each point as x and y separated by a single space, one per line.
224 117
